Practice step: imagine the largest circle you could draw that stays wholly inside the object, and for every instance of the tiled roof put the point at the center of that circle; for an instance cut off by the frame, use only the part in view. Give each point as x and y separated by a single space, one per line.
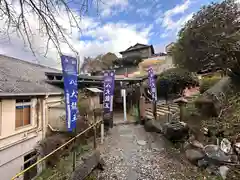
18 76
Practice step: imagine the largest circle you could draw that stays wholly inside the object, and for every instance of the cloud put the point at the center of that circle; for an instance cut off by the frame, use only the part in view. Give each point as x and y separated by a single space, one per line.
117 37
164 35
103 38
180 8
160 47
111 7
171 27
168 22
143 12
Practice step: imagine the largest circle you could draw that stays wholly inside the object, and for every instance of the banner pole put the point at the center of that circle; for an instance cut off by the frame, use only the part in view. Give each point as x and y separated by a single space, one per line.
124 105
94 130
74 149
102 132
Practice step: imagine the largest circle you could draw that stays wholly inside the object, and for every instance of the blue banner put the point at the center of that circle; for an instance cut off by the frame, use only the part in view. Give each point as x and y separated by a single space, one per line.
152 84
69 69
109 82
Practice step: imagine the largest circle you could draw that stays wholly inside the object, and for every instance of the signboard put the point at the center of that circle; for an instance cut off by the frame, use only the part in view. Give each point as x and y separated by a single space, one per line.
69 69
109 80
152 84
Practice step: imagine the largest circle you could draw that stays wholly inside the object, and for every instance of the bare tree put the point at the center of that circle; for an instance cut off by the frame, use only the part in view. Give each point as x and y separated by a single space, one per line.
15 16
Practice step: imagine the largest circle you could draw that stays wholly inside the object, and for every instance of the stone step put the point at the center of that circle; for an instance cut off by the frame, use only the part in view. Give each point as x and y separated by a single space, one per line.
172 108
159 113
164 110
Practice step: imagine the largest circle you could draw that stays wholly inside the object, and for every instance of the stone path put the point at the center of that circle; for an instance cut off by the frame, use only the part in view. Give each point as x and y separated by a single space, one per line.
131 153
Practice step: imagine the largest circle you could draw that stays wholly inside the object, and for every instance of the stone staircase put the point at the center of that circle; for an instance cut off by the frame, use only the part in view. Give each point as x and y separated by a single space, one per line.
163 111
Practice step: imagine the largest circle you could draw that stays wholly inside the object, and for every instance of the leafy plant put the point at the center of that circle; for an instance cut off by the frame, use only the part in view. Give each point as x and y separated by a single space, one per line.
174 81
208 82
210 38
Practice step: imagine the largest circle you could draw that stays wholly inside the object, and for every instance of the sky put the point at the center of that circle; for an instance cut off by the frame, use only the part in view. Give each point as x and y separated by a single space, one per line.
111 26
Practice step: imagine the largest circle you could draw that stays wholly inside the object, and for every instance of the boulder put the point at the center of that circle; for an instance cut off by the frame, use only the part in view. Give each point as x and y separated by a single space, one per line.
187 145
149 126
223 170
216 155
211 102
175 130
194 155
237 147
226 146
213 170
202 163
196 144
88 163
141 142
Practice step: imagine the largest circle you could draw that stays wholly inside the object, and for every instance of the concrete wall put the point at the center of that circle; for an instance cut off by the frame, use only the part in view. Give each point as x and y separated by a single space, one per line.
15 143
56 117
56 110
158 63
12 158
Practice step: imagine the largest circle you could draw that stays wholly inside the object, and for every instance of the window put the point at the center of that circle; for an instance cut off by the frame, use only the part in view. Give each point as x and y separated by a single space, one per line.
23 113
29 160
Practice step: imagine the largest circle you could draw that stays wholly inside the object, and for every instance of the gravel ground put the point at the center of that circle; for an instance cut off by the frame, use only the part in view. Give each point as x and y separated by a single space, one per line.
130 153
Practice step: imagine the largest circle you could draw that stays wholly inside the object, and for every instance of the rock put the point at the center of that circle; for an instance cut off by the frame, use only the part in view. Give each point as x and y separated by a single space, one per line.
187 145
211 102
215 154
234 158
202 163
223 170
175 130
90 161
150 127
197 144
226 146
212 169
101 164
194 155
141 142
237 147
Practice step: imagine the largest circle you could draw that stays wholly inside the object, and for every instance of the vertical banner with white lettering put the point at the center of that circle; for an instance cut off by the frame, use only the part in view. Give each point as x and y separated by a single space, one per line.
69 69
152 84
108 92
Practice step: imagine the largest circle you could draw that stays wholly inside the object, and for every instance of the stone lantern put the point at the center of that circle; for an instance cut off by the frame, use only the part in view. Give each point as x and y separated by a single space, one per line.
182 104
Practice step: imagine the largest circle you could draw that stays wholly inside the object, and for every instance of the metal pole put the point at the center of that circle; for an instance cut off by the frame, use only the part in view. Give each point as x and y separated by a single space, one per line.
95 131
102 132
74 150
154 109
78 63
124 104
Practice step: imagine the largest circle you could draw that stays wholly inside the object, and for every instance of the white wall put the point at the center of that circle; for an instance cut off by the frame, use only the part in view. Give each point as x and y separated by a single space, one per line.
54 118
12 158
10 169
15 143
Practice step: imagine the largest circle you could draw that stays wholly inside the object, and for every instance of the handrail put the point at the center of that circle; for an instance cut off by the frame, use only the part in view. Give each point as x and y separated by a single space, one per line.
45 157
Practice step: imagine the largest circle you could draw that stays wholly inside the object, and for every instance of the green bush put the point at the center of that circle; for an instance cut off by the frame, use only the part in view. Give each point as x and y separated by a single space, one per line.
174 81
208 82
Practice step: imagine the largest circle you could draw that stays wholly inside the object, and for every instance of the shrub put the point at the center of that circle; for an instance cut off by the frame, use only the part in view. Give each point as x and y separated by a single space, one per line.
208 82
174 81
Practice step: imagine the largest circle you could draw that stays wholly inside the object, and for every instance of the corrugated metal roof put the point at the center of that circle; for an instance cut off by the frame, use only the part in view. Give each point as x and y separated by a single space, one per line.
18 76
95 90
